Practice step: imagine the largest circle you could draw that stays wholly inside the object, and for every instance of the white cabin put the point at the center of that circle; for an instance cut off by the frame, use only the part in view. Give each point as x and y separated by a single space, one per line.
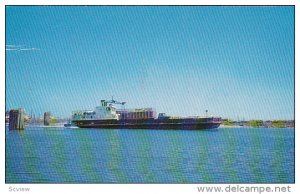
105 111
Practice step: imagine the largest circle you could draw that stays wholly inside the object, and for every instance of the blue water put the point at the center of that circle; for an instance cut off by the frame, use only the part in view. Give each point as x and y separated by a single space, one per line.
225 155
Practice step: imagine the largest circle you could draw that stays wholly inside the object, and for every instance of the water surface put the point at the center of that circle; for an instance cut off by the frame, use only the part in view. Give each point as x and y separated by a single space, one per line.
225 155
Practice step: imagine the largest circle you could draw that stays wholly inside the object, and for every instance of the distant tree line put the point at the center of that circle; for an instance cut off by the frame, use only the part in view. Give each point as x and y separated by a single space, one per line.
255 123
260 123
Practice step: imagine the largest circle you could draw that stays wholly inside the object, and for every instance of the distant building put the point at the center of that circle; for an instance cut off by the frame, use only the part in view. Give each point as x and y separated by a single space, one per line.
290 124
47 116
16 119
267 124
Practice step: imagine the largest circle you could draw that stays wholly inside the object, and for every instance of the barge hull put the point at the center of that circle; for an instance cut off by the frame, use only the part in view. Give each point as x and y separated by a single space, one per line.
147 124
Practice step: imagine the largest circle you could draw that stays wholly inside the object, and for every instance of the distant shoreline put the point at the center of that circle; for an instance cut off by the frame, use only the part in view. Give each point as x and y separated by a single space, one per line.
237 126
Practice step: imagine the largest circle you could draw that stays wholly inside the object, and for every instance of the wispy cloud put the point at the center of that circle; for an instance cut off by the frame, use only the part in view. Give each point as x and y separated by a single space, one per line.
11 47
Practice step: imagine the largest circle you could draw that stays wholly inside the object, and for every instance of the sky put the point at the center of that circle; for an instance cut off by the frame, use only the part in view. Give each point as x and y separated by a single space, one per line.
236 62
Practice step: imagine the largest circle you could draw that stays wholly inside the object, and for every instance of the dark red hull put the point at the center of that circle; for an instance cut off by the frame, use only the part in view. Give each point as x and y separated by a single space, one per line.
183 123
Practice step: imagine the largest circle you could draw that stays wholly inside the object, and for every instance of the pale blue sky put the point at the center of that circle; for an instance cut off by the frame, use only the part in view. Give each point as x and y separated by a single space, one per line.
233 61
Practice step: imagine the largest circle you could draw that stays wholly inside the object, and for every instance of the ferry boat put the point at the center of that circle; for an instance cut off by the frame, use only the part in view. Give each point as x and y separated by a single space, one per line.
108 116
